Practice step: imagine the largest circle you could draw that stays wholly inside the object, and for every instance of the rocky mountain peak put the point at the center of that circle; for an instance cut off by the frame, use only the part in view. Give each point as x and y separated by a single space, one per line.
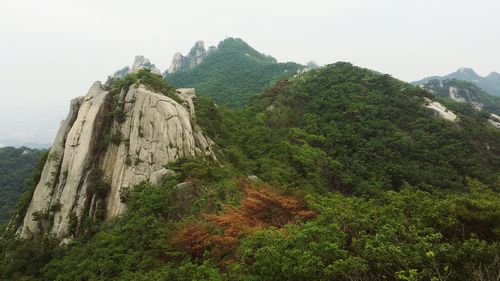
140 62
467 72
195 56
94 159
198 49
490 83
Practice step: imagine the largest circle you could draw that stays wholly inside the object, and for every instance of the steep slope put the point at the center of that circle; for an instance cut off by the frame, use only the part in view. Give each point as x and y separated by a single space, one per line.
113 138
369 131
16 164
490 83
230 74
195 56
282 201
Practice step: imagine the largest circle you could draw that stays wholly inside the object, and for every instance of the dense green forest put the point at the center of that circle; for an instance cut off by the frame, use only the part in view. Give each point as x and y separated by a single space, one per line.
16 164
233 73
338 174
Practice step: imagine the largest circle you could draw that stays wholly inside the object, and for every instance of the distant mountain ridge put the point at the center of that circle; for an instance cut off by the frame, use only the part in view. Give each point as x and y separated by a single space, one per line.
230 73
140 62
490 83
16 164
464 91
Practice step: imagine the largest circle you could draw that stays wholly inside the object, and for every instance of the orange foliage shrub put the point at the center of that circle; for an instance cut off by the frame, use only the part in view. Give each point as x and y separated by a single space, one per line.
193 238
260 208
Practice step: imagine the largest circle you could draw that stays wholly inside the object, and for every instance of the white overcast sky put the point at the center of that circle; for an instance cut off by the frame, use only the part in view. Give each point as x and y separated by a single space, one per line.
52 50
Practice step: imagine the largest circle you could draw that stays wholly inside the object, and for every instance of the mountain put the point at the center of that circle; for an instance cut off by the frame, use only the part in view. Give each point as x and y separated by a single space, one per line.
463 91
140 62
19 144
490 83
16 164
231 73
338 173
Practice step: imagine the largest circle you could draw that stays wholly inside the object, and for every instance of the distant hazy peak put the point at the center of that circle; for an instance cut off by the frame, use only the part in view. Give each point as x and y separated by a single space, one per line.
493 75
198 49
312 64
466 70
195 56
490 83
140 62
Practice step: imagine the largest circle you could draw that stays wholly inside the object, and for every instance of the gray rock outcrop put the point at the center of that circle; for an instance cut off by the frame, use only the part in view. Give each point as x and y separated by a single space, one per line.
155 131
440 110
196 56
494 120
140 62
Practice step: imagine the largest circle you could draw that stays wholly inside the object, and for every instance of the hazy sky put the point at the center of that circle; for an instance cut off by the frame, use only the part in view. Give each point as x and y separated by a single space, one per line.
52 50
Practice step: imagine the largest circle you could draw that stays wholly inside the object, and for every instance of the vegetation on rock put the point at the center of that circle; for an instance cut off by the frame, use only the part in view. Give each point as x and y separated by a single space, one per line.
352 179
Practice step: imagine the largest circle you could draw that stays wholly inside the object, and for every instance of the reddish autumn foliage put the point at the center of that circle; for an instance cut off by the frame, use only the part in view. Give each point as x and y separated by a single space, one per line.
278 88
260 208
193 237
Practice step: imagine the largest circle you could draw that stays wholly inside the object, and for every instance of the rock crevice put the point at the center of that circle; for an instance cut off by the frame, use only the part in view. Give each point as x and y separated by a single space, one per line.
155 131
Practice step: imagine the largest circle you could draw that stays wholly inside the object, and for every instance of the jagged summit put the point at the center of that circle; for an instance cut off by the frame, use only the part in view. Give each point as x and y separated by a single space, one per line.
195 56
230 73
140 62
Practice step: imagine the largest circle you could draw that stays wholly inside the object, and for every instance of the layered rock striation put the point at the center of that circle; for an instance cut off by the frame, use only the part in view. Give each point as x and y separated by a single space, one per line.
85 174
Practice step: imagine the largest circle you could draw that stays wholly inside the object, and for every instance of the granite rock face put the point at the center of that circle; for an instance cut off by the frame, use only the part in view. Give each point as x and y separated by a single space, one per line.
494 120
459 91
155 131
440 110
158 130
196 55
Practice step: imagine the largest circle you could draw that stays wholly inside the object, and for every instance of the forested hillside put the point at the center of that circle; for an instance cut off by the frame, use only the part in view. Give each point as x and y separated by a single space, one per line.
16 164
338 174
463 91
233 73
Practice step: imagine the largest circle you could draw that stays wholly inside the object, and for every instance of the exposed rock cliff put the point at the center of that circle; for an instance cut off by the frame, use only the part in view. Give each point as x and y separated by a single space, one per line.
196 55
83 178
440 110
460 91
